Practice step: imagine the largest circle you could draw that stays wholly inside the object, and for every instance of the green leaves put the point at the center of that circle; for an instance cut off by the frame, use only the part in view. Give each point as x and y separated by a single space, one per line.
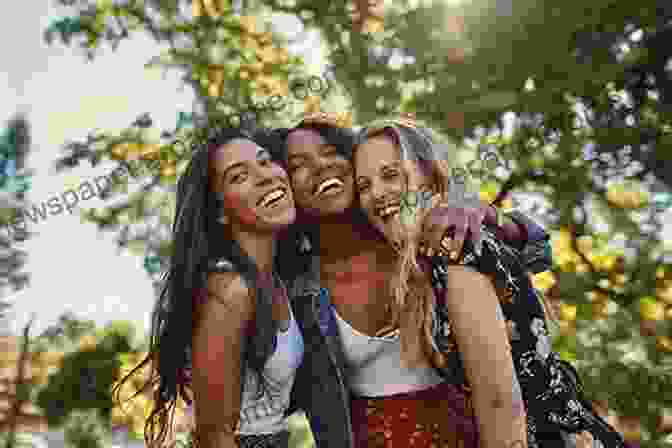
85 430
459 82
492 100
87 373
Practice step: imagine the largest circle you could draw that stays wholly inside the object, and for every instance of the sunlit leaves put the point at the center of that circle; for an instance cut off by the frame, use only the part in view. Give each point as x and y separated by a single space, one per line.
583 109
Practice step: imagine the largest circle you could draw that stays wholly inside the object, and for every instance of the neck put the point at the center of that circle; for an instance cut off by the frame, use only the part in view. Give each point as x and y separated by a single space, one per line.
337 229
260 247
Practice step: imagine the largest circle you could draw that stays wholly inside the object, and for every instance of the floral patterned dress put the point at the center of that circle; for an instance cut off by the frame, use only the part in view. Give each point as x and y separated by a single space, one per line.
557 412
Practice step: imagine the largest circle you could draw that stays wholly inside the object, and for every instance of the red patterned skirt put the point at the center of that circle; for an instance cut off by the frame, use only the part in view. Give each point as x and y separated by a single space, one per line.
439 417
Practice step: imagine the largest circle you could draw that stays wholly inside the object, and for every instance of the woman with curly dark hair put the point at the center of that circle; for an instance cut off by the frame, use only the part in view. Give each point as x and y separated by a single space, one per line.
223 331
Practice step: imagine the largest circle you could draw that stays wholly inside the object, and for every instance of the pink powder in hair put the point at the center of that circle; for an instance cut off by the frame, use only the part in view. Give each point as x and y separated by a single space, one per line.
425 166
213 149
302 136
392 134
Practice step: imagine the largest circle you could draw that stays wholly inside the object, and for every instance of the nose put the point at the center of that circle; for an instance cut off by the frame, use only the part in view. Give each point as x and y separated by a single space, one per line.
324 163
264 175
264 181
377 191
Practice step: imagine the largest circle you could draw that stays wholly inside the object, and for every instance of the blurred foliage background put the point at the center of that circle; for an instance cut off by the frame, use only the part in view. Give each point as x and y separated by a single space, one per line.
574 102
15 145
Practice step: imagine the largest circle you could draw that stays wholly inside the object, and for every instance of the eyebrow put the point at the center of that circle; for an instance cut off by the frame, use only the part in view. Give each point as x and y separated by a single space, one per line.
260 153
382 168
303 154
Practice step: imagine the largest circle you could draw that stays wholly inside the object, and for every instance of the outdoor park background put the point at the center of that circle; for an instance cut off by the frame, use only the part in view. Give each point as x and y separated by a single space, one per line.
583 95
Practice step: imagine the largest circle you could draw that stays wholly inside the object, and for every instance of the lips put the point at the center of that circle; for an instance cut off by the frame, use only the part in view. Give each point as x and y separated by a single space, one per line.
328 185
388 210
272 197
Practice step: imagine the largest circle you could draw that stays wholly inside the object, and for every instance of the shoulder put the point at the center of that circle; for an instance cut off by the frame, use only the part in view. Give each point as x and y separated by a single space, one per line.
497 261
465 275
224 305
495 255
227 288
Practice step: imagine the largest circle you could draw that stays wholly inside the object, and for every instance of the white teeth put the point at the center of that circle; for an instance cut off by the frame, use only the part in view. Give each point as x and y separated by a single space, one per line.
387 211
328 183
272 196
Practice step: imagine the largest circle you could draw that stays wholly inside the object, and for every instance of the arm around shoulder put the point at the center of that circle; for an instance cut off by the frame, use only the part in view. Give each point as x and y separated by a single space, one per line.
218 341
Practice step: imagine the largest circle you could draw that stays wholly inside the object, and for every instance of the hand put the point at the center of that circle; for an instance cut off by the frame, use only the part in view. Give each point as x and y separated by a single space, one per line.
445 228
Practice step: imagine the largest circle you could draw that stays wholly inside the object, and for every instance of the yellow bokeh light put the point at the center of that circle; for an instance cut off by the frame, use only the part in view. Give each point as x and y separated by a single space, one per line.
544 281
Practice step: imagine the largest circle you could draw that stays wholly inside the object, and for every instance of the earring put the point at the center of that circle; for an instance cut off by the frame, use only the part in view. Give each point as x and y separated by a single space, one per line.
305 246
223 220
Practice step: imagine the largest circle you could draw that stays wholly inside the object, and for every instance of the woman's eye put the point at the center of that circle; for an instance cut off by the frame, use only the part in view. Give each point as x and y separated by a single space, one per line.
238 178
390 175
363 187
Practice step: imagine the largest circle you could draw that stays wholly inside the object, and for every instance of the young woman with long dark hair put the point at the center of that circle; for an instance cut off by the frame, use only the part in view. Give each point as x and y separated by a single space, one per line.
223 331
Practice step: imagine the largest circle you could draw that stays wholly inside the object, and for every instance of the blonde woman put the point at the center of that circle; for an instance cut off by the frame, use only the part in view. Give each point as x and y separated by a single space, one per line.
455 315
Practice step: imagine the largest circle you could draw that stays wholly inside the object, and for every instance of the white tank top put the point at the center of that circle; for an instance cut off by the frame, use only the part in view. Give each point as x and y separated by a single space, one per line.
374 365
265 414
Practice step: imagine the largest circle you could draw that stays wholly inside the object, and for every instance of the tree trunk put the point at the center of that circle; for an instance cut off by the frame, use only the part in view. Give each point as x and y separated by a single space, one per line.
20 374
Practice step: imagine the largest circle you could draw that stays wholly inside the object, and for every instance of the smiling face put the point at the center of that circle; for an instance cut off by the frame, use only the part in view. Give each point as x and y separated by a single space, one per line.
322 179
382 182
255 190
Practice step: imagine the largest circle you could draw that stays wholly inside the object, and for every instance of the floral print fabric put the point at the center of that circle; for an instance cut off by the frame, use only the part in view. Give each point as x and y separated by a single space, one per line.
278 440
556 409
438 417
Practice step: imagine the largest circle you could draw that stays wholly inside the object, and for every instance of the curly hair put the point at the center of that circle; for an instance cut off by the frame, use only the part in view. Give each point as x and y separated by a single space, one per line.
344 140
198 239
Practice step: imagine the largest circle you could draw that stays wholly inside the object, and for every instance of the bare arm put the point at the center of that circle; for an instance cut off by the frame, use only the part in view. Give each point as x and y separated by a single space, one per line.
216 357
480 332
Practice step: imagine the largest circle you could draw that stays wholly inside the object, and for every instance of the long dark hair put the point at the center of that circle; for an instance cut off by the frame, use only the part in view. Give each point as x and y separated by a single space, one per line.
198 240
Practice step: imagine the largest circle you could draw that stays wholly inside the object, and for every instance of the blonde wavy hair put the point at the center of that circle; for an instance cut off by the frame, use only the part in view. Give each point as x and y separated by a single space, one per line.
421 149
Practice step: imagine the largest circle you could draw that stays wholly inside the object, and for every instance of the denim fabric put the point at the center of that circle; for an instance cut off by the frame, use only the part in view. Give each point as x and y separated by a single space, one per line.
319 388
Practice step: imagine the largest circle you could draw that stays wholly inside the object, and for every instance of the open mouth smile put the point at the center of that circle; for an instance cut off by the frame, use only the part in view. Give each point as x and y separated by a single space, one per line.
273 197
329 186
388 211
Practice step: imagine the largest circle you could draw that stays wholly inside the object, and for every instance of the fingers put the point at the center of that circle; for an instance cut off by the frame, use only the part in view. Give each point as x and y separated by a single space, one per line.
475 224
447 248
445 229
435 229
437 237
